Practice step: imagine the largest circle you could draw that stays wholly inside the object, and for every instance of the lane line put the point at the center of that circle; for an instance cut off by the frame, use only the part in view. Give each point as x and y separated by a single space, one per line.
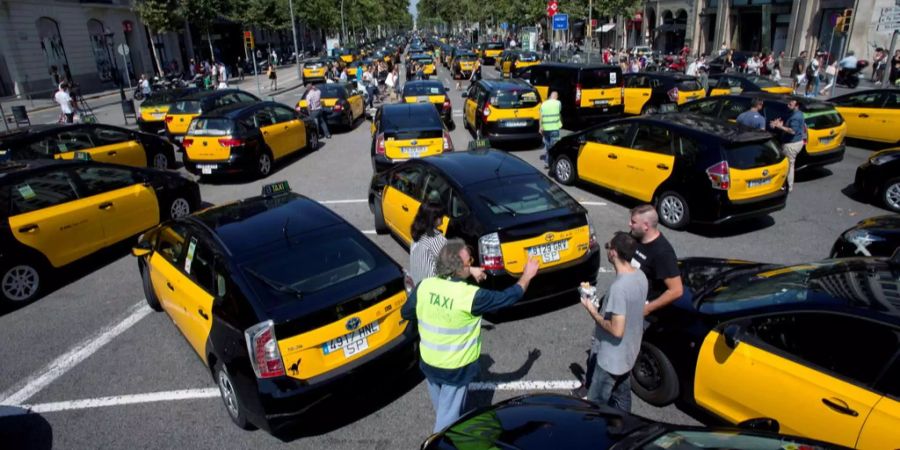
368 232
338 202
593 203
78 353
190 394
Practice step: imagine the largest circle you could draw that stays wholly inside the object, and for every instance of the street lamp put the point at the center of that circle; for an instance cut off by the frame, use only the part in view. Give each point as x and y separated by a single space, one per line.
109 42
343 27
296 51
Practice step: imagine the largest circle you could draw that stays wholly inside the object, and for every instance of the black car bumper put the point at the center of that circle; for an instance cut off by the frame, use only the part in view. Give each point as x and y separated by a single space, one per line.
868 179
806 160
240 161
552 283
154 127
722 210
280 400
586 116
494 132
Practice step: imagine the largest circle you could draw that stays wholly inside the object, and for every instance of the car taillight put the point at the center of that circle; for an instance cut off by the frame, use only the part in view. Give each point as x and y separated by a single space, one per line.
719 176
265 357
578 93
187 142
673 94
169 119
379 144
231 142
490 253
487 110
448 143
592 232
338 107
447 105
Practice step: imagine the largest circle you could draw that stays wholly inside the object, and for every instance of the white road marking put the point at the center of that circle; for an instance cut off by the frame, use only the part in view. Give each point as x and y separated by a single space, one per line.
369 232
190 394
78 353
337 202
593 203
457 114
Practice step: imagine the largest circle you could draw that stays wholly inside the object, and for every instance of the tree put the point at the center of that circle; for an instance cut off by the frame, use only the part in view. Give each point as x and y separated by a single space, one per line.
159 16
204 13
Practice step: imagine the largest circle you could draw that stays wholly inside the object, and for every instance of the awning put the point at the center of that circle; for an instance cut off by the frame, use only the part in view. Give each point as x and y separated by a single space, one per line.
606 27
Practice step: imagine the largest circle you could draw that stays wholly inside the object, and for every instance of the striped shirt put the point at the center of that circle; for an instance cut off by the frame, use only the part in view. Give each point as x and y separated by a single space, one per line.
423 255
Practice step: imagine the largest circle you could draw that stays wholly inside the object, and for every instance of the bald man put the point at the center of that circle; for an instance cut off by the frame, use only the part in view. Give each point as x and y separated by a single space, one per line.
656 258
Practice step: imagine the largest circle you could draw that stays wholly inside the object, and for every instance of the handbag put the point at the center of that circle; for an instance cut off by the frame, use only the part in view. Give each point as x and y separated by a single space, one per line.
830 70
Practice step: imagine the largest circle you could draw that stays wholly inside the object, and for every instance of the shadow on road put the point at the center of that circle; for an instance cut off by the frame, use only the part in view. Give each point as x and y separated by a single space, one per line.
247 176
812 174
482 398
20 428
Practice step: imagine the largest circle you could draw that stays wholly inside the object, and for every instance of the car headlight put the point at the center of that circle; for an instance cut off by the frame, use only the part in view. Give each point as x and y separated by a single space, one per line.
862 239
877 160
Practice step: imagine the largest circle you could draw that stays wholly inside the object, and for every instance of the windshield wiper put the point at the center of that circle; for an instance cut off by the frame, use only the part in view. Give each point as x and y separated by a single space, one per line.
505 208
280 287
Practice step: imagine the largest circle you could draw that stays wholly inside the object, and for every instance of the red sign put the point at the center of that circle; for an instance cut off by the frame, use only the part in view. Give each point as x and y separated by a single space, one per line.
248 35
127 26
552 8
594 23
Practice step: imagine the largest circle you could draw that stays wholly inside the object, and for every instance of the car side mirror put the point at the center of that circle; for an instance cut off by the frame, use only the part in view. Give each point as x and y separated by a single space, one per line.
143 248
464 95
731 335
760 424
582 139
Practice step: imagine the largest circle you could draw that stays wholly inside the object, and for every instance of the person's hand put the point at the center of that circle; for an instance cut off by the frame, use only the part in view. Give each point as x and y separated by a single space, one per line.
531 268
588 305
477 273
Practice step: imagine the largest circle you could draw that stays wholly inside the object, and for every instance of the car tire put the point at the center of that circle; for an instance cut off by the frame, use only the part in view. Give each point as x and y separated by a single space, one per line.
312 141
890 194
233 405
653 377
159 160
673 210
179 207
149 293
21 281
380 225
263 163
564 170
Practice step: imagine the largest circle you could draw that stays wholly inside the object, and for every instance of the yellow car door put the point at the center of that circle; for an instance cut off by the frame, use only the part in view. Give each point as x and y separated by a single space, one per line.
469 108
165 267
648 163
48 216
400 201
127 205
292 128
884 420
885 119
194 283
121 146
637 93
357 105
599 160
720 87
755 367
273 133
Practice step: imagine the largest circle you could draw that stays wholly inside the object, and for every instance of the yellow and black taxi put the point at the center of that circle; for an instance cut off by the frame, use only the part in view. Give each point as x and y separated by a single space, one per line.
489 51
430 91
454 52
462 64
359 64
282 300
152 115
422 60
402 131
346 55
342 104
185 109
588 93
503 208
813 346
825 126
498 61
879 178
502 110
104 143
511 64
54 213
315 70
875 236
692 168
652 92
872 115
733 83
247 138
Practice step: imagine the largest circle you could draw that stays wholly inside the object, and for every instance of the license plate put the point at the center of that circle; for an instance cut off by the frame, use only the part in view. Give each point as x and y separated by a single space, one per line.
413 151
207 169
548 252
759 182
515 123
158 115
693 97
352 343
601 102
179 138
826 140
422 100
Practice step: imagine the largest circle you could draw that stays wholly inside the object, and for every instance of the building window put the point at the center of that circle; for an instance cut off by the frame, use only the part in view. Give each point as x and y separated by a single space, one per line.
100 50
54 52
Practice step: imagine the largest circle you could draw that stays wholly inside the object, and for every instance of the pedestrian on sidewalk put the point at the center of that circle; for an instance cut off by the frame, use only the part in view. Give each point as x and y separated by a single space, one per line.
619 326
813 72
776 67
751 117
145 85
223 77
798 71
449 325
66 103
793 137
240 68
895 69
551 123
830 74
390 82
314 106
273 78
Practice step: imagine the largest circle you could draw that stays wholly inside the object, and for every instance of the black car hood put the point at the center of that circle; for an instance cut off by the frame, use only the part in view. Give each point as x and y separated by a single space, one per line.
696 272
888 224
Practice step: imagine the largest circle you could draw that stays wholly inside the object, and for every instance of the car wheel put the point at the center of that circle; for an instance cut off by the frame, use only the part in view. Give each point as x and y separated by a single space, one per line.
149 293
564 170
312 141
21 281
673 210
263 164
179 207
653 377
890 194
233 404
159 160
380 225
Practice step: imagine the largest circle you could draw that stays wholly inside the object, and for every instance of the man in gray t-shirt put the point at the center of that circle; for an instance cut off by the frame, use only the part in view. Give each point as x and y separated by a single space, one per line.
620 326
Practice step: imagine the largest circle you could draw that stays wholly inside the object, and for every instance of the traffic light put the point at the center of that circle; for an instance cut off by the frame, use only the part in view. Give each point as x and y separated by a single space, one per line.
248 40
845 20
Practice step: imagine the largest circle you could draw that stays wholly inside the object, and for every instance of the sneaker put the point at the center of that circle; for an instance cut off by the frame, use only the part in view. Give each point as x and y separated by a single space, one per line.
579 392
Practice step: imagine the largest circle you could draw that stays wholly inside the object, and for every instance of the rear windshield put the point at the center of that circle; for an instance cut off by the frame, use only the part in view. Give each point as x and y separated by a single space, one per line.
763 82
423 89
424 118
521 195
515 98
600 78
494 46
528 57
822 119
688 85
331 90
158 98
467 57
752 155
211 127
314 64
401 135
185 107
423 59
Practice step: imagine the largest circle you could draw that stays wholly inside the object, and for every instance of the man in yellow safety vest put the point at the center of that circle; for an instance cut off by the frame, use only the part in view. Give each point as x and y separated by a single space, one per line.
551 123
449 324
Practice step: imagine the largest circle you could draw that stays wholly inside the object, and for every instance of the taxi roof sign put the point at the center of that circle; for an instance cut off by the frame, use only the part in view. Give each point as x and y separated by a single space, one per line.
273 189
82 156
476 144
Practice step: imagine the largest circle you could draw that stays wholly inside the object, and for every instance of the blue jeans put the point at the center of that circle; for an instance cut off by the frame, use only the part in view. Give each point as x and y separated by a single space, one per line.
611 390
550 138
448 402
320 121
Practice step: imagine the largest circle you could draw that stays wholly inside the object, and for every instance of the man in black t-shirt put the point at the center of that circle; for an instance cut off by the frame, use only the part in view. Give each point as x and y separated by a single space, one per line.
656 258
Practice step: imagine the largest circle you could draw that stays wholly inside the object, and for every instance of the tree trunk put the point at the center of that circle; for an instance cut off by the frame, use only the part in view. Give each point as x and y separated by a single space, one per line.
212 55
155 52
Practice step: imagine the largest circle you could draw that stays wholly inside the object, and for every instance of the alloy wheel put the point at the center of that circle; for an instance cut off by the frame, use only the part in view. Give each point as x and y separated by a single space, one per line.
21 282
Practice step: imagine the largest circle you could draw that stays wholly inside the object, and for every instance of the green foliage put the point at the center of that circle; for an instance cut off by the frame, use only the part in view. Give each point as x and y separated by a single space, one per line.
160 15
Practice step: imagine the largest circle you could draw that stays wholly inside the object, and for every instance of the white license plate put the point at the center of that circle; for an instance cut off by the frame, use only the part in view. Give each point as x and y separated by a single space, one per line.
179 138
601 102
515 123
352 343
422 100
693 97
158 115
759 182
548 252
826 140
413 152
207 169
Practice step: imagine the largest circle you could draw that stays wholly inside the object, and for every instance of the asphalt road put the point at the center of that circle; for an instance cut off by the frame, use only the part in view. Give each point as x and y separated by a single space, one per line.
91 342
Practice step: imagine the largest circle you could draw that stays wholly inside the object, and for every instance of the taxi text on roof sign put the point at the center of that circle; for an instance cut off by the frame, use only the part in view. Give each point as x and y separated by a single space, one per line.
272 189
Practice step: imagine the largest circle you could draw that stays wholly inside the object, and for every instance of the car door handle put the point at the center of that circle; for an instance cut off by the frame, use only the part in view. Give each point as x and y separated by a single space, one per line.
105 205
612 156
203 314
662 166
169 285
839 406
863 116
28 228
404 208
266 133
646 95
